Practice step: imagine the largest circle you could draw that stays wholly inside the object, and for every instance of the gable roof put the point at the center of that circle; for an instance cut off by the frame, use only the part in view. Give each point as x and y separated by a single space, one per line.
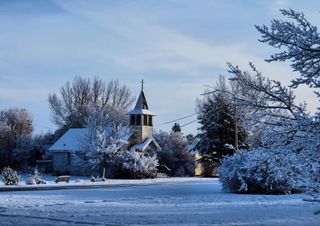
142 146
72 140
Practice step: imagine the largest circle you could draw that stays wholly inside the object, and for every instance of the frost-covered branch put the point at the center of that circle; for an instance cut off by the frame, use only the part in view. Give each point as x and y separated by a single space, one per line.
263 94
301 43
103 145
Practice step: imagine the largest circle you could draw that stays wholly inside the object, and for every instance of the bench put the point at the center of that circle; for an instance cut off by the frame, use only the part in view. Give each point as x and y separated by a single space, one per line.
62 179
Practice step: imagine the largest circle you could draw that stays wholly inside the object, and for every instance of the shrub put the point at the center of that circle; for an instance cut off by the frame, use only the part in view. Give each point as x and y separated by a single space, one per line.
265 171
135 165
10 176
36 178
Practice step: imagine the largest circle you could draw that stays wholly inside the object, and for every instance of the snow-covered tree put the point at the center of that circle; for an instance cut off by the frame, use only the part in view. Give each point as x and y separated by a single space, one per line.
74 105
17 120
104 145
288 160
270 105
14 123
175 153
299 41
10 176
137 165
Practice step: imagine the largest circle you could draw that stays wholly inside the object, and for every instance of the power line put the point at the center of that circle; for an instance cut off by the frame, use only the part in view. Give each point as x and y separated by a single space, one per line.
189 123
178 119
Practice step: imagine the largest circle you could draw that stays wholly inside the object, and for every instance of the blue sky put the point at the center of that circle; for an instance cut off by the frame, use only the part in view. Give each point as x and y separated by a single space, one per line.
176 46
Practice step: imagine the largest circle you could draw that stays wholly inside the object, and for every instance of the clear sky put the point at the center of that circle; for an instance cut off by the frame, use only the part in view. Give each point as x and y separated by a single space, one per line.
176 46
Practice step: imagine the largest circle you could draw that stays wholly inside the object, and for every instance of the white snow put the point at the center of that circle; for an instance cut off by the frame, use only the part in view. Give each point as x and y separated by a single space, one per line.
83 181
192 203
71 140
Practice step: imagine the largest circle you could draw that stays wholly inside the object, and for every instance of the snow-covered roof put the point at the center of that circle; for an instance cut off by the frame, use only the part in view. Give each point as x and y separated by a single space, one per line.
140 111
146 143
72 140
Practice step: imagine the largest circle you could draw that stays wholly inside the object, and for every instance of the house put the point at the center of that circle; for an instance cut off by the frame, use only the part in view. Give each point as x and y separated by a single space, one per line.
70 158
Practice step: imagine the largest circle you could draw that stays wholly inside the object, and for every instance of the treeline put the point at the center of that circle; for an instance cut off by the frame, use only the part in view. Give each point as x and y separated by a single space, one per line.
96 105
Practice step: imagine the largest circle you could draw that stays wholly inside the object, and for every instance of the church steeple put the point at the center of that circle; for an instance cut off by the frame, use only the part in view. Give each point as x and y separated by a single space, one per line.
141 118
141 102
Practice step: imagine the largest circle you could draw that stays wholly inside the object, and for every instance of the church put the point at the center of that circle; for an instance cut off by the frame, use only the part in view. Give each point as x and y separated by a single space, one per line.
68 156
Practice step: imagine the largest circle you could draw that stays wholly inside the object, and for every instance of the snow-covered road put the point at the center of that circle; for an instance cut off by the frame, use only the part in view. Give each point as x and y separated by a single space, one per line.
192 203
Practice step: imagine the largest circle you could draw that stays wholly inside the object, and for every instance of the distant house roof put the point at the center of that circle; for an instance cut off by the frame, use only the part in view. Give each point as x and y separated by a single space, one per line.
70 141
146 143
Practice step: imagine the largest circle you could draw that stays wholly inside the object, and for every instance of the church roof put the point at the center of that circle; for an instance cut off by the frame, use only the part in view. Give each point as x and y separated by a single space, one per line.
141 106
142 102
146 143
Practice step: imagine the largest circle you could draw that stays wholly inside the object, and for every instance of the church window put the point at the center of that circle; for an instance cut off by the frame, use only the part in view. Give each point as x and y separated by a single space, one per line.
145 120
132 119
150 120
138 121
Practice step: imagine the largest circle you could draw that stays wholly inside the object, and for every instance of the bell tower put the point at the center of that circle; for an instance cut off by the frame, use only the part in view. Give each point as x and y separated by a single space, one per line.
141 119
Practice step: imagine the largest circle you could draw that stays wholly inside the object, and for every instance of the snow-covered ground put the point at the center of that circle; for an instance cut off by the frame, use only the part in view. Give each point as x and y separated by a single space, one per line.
190 203
85 182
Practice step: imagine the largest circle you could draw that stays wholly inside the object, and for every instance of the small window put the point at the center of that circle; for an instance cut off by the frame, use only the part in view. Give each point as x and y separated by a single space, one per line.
145 120
138 120
150 120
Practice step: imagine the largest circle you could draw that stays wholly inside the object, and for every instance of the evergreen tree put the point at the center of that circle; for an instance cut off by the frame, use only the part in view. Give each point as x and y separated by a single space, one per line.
219 129
176 128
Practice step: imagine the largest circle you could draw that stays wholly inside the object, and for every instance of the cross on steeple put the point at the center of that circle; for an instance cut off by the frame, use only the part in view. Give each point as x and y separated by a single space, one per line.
142 82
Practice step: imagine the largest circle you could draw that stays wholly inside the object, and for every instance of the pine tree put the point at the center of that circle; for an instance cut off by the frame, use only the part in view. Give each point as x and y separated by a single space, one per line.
10 176
220 127
176 128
